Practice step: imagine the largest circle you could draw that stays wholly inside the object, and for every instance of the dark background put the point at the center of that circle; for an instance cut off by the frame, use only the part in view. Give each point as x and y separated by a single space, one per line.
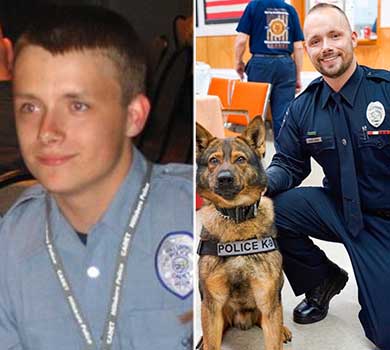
149 17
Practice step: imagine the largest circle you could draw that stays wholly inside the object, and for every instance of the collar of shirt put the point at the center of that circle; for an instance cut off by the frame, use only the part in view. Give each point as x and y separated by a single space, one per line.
348 91
116 217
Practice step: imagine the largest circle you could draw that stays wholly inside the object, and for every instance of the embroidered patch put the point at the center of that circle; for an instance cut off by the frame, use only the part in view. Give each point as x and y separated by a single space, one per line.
174 263
375 113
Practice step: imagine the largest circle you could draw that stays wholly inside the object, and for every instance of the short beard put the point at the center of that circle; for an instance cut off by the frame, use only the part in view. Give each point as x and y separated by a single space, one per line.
343 68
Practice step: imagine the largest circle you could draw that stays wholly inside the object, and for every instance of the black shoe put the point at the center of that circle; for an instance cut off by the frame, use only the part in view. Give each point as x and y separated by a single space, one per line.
315 306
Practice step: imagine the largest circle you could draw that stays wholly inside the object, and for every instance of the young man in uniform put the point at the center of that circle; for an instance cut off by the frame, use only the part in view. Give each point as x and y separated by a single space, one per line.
274 33
341 120
98 256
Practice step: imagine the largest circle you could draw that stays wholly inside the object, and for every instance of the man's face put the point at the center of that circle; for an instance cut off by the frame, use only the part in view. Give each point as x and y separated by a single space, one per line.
72 128
329 42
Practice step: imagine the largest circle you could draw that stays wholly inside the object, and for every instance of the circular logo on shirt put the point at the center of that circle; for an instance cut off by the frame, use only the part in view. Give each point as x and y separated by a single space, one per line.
174 263
375 113
277 27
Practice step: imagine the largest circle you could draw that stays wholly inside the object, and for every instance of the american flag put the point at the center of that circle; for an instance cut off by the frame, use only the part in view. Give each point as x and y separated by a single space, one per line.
223 11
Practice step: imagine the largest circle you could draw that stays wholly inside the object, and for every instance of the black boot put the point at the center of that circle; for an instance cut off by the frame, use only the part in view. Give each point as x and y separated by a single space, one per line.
315 306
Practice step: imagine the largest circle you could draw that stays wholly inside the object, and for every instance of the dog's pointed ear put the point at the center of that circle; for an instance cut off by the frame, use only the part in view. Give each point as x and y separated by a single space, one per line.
203 138
254 134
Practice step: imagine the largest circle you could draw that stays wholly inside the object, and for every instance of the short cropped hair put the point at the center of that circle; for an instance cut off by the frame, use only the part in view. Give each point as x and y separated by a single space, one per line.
324 5
62 29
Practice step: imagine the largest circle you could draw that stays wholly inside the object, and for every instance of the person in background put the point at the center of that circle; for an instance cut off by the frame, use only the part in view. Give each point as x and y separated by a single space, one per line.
341 120
373 28
99 255
275 42
10 158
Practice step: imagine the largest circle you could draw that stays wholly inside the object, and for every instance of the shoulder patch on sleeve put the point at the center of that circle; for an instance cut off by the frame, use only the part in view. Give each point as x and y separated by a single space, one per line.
174 263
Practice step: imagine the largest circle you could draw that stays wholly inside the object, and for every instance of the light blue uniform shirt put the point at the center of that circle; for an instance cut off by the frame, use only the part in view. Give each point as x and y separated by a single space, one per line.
33 311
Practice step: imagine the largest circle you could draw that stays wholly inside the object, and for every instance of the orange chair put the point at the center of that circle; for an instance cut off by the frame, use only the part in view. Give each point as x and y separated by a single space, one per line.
249 99
222 88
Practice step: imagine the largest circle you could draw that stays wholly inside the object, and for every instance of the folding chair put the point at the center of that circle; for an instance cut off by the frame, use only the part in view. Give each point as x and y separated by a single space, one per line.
222 88
248 100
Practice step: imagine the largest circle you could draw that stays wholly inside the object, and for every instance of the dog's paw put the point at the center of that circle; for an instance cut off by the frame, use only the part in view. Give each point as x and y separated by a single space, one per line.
287 335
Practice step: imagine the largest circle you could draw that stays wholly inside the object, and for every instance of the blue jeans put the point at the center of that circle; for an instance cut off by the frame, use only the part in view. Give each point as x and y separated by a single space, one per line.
281 73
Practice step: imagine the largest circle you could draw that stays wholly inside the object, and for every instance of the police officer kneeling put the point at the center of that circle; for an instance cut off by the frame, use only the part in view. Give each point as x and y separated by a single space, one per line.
341 121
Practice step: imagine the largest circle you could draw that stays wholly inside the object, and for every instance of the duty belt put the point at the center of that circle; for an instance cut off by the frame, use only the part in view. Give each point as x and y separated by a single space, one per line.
235 248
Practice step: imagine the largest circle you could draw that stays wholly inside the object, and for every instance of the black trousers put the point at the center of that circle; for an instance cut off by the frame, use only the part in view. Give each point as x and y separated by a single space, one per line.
307 212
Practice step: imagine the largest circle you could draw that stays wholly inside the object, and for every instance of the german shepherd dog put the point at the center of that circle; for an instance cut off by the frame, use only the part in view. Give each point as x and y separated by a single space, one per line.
238 289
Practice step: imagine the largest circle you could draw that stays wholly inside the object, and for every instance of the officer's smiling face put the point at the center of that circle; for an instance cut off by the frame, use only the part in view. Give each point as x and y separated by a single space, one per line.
330 43
72 126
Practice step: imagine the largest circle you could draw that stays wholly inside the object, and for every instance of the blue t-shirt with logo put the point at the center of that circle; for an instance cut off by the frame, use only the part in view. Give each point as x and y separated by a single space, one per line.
272 25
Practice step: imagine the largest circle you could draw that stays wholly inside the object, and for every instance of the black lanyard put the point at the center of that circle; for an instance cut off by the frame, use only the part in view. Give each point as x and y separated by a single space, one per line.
118 280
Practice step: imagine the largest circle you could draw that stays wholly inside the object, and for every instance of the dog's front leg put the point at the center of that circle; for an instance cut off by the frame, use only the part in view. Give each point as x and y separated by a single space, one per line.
212 324
271 319
272 324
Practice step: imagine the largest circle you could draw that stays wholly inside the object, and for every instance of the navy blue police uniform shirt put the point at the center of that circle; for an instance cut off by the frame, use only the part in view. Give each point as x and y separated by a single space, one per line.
272 25
307 131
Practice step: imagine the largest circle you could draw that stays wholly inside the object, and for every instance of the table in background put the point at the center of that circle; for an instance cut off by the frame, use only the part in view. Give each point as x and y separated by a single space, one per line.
209 114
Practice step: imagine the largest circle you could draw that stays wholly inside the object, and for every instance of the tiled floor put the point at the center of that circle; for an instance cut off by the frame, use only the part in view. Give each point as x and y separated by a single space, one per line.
340 330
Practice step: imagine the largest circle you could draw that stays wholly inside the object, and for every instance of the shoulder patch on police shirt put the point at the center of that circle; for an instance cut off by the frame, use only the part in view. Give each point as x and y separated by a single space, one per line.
174 263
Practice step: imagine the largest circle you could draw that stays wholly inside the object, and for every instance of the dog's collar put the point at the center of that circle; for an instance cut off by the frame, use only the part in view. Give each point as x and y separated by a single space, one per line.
236 248
239 214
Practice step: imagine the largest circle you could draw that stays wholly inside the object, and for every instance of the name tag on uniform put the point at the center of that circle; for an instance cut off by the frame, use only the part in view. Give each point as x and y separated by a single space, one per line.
251 246
314 139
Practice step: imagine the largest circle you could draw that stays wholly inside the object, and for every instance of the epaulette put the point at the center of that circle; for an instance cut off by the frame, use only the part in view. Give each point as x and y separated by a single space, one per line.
180 170
30 193
376 74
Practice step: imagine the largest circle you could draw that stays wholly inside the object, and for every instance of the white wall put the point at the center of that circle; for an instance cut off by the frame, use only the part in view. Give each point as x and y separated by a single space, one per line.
385 13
